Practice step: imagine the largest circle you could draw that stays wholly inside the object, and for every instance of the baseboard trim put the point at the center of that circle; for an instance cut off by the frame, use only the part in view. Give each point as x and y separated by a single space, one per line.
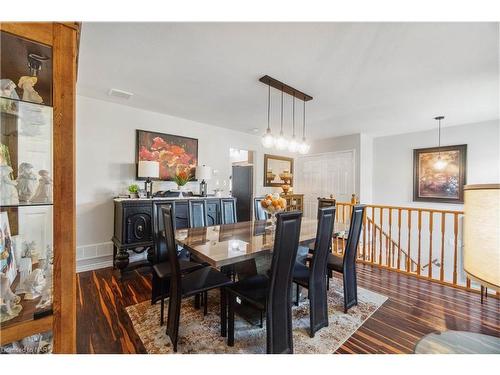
105 261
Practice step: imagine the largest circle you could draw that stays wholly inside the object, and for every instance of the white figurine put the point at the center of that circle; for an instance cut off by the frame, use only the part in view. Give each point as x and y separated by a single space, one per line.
44 192
9 302
8 191
26 182
29 93
34 284
8 91
25 268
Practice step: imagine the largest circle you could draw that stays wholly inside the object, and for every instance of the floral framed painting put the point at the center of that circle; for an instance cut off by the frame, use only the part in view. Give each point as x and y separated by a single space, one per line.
174 153
439 174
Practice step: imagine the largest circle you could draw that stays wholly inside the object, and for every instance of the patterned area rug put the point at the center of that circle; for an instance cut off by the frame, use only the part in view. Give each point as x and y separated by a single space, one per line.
201 334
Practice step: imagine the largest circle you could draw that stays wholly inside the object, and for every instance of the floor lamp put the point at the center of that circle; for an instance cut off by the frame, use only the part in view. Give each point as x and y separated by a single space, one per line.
482 235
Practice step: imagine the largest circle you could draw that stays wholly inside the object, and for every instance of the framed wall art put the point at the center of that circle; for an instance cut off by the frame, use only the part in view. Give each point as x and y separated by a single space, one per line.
174 153
439 174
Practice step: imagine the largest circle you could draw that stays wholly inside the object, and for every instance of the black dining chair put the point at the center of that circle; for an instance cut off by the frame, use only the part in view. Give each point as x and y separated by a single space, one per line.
197 213
346 264
322 202
188 285
272 294
313 278
228 211
258 210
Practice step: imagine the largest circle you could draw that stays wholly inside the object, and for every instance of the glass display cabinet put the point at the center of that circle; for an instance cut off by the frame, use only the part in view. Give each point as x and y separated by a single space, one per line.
37 195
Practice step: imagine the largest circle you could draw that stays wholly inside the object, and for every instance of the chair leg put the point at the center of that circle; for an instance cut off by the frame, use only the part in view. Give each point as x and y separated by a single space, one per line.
162 303
297 291
261 320
223 312
205 303
197 301
230 323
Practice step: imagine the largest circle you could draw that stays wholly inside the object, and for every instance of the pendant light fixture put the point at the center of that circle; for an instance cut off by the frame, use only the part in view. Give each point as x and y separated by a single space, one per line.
304 146
293 145
440 164
281 141
267 138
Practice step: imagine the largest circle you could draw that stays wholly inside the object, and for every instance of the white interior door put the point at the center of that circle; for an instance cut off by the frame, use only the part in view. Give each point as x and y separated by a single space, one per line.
322 175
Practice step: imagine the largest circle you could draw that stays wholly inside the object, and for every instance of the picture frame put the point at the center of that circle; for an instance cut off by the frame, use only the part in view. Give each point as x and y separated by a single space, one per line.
442 185
173 152
276 165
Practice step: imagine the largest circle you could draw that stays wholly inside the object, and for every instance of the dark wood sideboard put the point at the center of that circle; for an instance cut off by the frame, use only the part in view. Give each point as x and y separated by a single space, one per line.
139 223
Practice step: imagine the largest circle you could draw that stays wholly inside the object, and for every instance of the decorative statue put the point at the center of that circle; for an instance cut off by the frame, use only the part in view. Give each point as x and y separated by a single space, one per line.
26 182
9 302
8 191
8 90
44 192
46 265
25 267
33 285
29 93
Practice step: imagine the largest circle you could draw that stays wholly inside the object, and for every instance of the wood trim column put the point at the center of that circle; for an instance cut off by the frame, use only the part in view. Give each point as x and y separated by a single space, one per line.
65 52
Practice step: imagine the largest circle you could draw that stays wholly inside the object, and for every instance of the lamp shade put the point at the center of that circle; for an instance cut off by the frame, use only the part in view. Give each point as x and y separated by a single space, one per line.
148 168
482 234
203 172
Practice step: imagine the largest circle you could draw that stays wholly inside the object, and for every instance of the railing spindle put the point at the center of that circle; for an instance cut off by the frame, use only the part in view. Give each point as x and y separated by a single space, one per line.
455 247
364 234
441 271
381 231
408 253
419 240
430 243
399 238
390 240
374 228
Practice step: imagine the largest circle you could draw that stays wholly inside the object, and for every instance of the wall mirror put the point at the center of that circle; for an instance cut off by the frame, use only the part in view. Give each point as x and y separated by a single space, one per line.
276 169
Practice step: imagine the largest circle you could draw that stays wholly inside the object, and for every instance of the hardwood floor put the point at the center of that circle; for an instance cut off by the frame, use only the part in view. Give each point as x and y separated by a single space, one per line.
414 309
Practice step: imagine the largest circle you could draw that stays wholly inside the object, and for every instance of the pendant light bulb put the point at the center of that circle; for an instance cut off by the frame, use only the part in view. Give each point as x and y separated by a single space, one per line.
293 145
304 147
268 139
281 142
440 164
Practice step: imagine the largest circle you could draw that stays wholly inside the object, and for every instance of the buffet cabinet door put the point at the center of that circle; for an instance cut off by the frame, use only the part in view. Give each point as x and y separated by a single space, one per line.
137 224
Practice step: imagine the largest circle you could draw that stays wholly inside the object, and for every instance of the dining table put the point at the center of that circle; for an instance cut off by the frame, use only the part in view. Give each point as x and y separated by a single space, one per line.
226 244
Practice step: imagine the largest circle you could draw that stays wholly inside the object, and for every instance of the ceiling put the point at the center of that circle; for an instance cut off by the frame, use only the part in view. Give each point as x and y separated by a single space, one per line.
375 78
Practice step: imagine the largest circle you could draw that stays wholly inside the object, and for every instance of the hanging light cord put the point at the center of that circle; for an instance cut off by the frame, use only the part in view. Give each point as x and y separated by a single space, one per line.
281 131
304 122
268 107
293 116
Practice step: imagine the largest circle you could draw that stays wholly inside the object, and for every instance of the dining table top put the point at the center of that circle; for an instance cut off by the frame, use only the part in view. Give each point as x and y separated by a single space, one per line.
225 244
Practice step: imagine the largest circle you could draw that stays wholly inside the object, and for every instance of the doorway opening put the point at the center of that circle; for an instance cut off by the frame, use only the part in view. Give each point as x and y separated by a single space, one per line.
241 182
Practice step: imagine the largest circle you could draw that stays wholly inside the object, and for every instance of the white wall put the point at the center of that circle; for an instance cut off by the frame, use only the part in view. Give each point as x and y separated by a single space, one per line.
105 164
393 160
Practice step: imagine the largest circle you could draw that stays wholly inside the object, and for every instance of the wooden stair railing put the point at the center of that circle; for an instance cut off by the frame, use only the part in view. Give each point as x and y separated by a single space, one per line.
422 242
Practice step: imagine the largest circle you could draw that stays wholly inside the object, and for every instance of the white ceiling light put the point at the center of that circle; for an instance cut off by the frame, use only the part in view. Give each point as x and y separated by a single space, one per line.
440 164
267 138
293 145
304 146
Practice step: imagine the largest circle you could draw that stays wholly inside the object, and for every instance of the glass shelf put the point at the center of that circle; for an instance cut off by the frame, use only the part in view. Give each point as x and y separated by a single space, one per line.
25 205
25 101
